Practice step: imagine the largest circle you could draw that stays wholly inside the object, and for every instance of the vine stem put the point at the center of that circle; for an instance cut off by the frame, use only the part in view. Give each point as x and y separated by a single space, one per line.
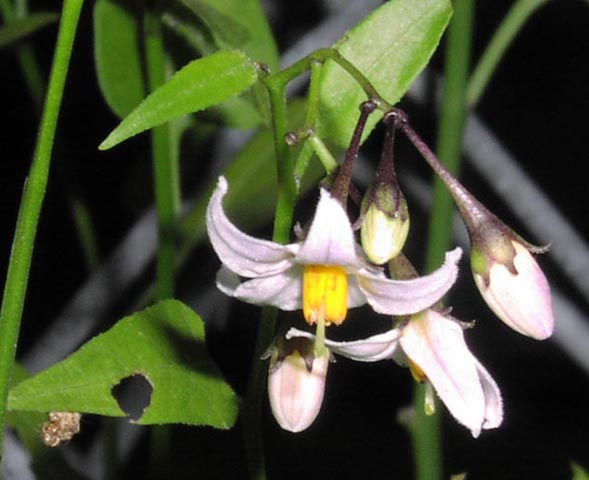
166 185
287 195
165 168
426 430
31 204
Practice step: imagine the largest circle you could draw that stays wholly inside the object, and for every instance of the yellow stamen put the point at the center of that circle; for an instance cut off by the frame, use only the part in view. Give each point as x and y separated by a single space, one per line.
416 371
325 294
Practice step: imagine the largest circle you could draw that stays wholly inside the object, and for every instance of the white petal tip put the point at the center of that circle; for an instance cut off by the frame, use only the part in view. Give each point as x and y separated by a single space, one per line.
222 184
454 255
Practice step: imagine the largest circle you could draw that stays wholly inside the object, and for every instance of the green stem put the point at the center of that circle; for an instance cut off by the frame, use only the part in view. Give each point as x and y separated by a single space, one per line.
287 193
165 168
32 201
283 77
325 156
167 202
302 161
284 165
254 398
502 38
426 433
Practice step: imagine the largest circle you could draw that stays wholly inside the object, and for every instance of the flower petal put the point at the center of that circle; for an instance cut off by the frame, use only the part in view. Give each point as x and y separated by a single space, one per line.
295 393
330 240
371 349
522 300
283 290
356 297
436 345
245 255
493 400
403 297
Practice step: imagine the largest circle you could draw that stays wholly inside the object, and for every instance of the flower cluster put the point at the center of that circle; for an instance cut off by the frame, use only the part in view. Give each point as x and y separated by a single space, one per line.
327 272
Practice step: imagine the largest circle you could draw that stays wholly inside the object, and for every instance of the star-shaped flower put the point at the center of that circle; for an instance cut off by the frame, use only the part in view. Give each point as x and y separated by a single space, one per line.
324 274
434 347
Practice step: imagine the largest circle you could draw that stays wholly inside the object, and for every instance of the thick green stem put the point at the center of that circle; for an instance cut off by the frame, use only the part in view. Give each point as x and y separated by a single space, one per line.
254 398
504 35
167 201
426 433
287 193
165 168
287 189
32 201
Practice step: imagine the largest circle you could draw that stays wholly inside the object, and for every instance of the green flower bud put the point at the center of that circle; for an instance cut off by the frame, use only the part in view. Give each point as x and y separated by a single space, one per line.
385 223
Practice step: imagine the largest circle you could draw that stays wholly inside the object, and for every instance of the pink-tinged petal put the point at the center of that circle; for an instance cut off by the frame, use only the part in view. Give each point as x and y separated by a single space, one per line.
356 297
283 290
436 345
521 300
245 255
493 400
330 240
403 297
295 393
371 349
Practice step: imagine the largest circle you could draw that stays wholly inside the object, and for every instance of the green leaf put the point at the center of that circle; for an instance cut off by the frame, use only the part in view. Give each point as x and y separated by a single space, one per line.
165 345
579 473
251 175
238 24
117 56
201 84
390 47
20 28
26 424
227 30
237 112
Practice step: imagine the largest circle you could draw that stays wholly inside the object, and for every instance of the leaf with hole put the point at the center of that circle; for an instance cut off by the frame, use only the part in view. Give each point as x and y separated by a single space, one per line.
162 345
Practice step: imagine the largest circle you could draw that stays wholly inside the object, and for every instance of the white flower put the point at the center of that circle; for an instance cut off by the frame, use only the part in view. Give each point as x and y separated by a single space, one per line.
517 291
325 274
435 344
296 384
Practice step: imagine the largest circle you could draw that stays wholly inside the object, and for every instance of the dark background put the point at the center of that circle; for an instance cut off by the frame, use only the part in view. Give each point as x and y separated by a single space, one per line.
537 104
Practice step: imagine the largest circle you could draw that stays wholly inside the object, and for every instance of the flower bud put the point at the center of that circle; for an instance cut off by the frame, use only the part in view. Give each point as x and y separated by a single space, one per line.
385 223
296 382
514 287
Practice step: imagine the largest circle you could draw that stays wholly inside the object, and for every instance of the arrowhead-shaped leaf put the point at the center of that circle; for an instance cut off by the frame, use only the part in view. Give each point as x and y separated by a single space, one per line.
165 345
390 47
201 84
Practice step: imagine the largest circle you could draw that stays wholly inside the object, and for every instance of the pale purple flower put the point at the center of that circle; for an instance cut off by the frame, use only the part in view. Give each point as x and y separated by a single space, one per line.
296 384
435 344
517 291
328 257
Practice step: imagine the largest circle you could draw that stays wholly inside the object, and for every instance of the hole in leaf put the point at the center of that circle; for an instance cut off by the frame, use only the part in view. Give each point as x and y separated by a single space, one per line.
133 394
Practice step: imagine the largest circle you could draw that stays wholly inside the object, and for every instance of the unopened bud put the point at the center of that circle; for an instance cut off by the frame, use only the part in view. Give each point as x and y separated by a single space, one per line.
385 223
296 383
514 287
